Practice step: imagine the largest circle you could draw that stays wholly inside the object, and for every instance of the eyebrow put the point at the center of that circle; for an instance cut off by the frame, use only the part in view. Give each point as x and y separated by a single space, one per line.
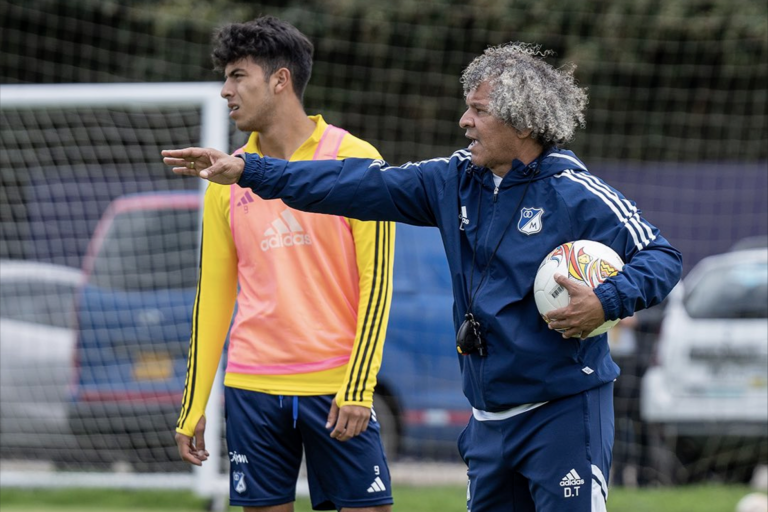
233 71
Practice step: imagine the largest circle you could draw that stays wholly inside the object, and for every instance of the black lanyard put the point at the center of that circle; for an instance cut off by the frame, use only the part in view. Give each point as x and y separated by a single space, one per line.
468 337
474 249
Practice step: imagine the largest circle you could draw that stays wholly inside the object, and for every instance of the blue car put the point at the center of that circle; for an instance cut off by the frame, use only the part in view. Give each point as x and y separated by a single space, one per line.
419 379
134 320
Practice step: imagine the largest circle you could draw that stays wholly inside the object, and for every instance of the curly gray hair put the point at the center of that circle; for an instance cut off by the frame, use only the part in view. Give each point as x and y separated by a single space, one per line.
527 93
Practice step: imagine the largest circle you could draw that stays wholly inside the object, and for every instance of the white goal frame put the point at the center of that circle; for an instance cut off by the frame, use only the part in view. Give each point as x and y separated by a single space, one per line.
207 481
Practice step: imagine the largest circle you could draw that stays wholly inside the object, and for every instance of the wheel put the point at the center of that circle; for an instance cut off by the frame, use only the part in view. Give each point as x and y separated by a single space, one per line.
383 406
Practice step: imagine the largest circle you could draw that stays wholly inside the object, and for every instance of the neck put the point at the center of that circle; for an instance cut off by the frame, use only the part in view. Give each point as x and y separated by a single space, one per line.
281 138
527 153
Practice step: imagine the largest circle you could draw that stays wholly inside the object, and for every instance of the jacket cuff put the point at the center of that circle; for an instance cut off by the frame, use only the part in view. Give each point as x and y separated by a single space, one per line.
609 299
253 172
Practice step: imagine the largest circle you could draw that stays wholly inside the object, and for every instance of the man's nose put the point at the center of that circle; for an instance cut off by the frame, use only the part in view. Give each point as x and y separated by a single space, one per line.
466 120
226 92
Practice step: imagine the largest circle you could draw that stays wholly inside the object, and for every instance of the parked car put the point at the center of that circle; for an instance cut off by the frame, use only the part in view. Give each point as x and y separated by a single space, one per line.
133 322
134 318
707 395
420 381
36 347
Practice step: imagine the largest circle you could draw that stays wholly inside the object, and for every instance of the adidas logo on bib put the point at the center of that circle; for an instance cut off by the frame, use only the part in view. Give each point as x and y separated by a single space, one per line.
285 232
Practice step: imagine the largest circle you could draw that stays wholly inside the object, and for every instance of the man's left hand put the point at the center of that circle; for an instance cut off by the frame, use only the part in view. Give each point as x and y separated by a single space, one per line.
582 315
349 421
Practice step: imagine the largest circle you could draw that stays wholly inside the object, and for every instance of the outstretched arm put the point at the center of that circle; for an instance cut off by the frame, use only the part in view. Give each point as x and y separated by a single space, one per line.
359 188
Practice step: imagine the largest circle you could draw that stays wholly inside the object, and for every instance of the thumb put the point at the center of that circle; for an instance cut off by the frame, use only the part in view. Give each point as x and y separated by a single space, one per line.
214 170
200 435
333 414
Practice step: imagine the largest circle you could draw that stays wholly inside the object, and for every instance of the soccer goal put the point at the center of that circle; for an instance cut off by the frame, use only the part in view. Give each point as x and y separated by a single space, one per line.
98 271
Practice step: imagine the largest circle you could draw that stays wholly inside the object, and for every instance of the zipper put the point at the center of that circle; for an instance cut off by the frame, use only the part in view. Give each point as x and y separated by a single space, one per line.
488 232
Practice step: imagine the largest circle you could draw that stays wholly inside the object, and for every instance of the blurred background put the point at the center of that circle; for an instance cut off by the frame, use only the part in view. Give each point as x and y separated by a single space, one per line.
98 241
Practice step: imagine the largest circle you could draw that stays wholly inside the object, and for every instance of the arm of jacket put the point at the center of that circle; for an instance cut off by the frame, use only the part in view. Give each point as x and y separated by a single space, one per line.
213 308
375 251
358 188
652 266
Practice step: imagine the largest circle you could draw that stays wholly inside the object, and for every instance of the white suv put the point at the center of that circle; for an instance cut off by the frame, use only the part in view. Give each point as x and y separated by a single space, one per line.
710 381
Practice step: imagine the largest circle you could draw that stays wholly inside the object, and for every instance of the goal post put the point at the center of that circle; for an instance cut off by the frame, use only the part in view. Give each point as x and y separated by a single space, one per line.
75 127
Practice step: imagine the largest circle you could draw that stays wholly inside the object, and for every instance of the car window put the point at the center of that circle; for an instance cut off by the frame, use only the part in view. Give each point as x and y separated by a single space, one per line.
37 302
730 292
146 250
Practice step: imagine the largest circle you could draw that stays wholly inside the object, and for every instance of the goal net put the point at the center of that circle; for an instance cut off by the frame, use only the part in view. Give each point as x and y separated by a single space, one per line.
98 270
676 121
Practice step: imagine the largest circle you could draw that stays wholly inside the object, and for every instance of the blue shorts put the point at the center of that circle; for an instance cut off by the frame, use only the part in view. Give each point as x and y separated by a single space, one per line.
553 458
265 438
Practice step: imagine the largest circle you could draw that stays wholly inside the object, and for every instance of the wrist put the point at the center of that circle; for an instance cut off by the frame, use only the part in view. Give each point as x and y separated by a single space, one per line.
241 163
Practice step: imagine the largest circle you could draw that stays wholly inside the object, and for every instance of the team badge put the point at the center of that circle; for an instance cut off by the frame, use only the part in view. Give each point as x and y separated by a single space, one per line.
530 220
238 480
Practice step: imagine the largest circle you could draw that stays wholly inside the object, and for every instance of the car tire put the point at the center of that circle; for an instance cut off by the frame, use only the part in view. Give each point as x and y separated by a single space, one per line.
389 426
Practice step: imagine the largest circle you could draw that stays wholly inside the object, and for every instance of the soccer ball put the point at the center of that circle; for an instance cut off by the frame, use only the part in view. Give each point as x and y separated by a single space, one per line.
586 262
753 502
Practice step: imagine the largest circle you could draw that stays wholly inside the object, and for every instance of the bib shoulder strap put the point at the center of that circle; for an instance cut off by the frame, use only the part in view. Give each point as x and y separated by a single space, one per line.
330 142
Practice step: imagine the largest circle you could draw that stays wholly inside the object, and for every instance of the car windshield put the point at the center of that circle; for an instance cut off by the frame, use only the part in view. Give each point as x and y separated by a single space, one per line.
148 250
37 302
731 292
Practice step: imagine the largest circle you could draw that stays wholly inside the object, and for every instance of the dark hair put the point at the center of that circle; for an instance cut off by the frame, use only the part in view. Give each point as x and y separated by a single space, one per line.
271 43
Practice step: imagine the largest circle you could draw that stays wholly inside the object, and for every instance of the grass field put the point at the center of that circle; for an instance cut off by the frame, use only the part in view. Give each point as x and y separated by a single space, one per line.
712 498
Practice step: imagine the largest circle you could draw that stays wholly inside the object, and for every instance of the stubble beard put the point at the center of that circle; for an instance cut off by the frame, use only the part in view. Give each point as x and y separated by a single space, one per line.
258 122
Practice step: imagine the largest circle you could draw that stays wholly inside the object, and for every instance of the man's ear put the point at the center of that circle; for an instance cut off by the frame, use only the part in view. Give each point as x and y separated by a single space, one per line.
281 81
524 134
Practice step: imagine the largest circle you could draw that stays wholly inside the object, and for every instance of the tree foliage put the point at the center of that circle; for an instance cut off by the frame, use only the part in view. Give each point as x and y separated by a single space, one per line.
673 79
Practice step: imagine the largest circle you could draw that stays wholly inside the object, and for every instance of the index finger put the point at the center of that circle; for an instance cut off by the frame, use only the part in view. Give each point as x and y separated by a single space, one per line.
564 281
342 429
193 152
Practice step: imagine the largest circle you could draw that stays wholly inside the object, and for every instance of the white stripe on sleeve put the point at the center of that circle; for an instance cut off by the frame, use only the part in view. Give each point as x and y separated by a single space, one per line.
629 220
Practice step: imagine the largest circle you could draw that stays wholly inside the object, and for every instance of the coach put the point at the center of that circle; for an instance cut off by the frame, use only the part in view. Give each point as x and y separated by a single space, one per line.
541 433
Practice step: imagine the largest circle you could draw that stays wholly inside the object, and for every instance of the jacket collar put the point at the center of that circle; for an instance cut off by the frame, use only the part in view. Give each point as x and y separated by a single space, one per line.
550 162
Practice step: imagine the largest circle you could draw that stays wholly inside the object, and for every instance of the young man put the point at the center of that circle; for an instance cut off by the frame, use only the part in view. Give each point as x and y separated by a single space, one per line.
541 433
313 295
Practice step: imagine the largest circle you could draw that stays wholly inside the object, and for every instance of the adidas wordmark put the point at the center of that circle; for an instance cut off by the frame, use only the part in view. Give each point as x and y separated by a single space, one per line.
572 478
285 232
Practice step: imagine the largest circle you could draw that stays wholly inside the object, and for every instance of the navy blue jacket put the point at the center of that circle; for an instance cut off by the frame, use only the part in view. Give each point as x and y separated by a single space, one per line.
553 200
